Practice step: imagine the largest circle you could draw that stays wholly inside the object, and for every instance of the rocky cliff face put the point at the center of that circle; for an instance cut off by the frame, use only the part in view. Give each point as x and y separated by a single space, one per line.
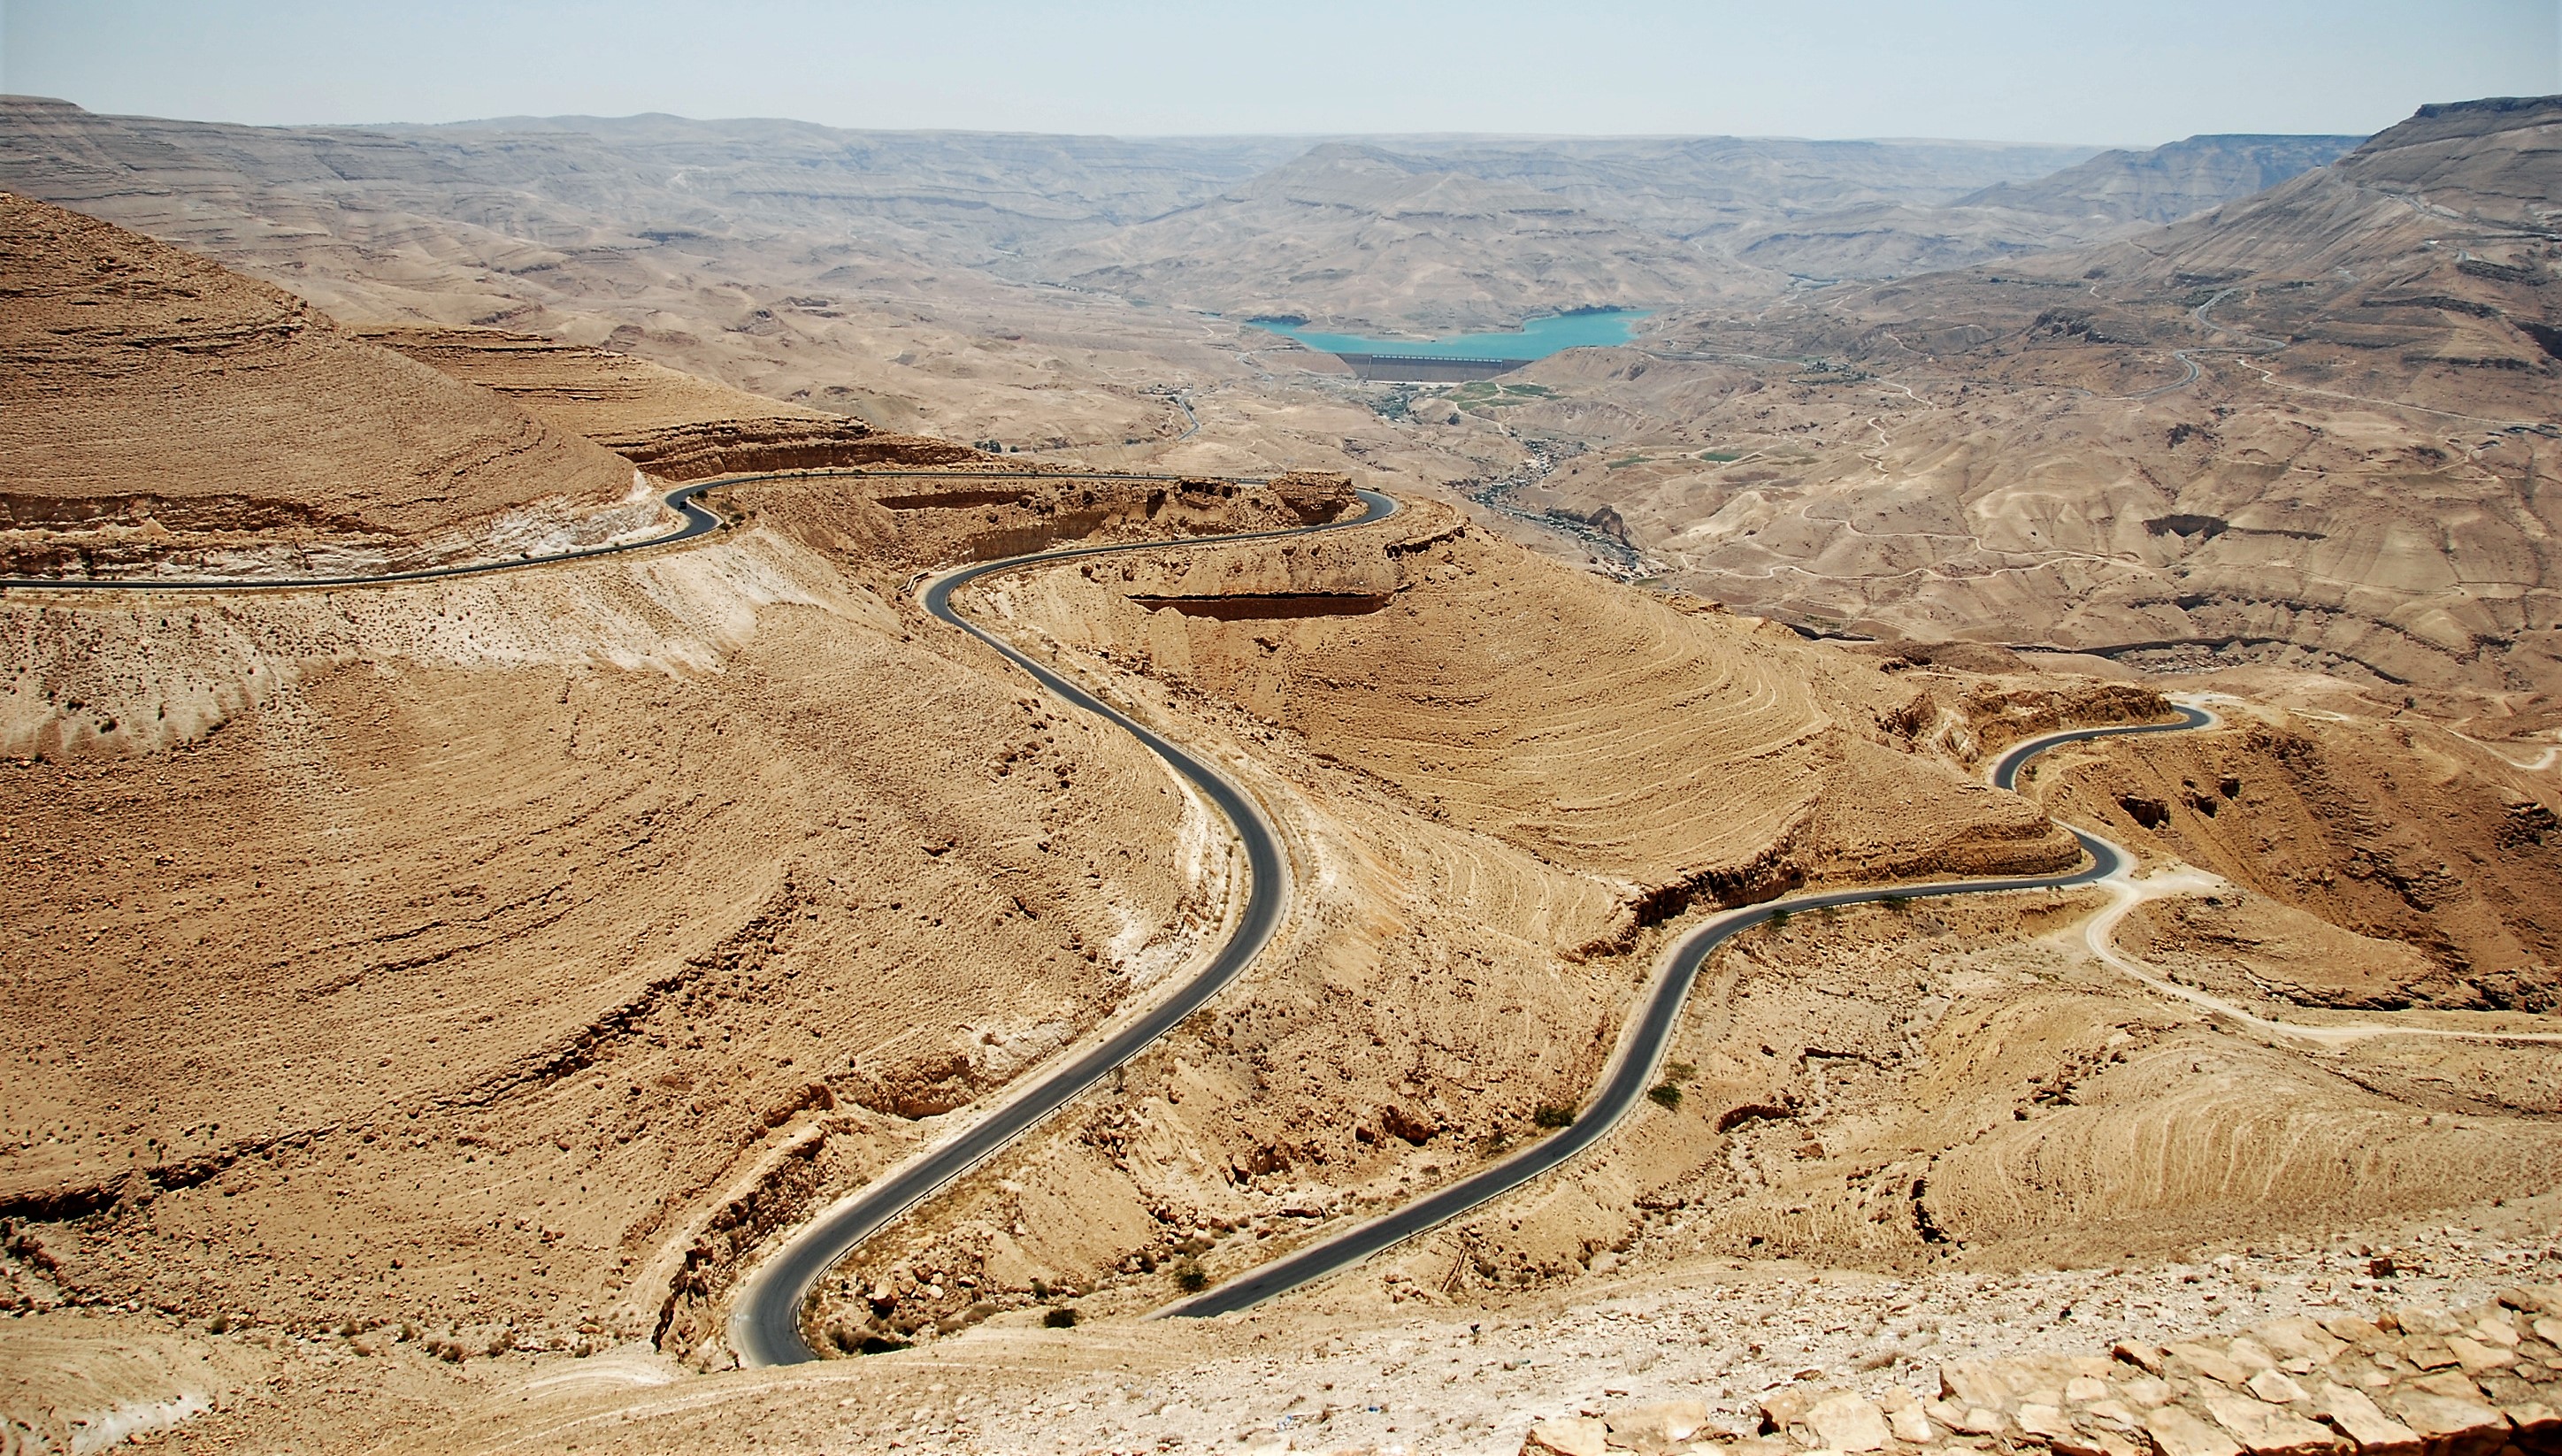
147 389
2310 426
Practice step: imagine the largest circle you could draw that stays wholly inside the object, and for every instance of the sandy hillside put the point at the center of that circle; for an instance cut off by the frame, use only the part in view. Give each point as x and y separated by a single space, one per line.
1440 249
431 999
2308 427
673 425
848 290
2113 193
147 385
1837 1190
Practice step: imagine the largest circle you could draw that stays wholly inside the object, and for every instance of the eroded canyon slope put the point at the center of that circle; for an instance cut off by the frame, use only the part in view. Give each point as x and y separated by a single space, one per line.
128 418
2113 193
433 997
500 962
2319 423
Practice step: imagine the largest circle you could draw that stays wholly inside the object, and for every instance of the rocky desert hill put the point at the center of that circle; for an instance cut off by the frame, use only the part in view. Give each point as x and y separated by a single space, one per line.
1476 235
128 418
672 426
427 1000
2113 193
2316 422
1438 249
548 230
2169 182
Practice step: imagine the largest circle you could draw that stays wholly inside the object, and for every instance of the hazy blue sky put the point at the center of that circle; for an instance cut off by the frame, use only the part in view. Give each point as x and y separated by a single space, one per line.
2127 71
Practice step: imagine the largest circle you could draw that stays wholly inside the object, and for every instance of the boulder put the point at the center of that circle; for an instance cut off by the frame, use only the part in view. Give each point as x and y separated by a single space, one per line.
2249 1355
2075 1441
1848 1422
1570 1435
2535 1424
2112 1415
1905 1416
1973 1382
2175 1432
2494 1327
2045 1422
2274 1388
2478 1356
2450 1425
2428 1351
2354 1415
2146 1391
2454 1385
2297 1338
2142 1357
1657 1426
2207 1361
2268 1430
2364 1334
1972 1420
1785 1407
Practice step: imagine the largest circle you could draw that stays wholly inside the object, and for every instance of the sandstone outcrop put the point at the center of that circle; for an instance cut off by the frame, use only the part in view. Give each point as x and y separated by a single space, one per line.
150 395
2406 1381
673 425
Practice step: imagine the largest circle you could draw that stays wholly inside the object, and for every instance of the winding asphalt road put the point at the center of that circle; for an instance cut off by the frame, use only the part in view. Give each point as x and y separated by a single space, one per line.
698 520
765 1322
1641 1049
765 1327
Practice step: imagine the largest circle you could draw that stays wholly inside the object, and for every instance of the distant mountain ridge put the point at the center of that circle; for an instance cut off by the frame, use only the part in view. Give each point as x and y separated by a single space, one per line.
2113 193
2168 182
2319 419
1199 221
1379 235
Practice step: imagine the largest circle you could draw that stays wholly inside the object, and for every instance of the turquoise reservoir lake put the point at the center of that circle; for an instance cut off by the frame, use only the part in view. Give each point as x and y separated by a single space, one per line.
1538 337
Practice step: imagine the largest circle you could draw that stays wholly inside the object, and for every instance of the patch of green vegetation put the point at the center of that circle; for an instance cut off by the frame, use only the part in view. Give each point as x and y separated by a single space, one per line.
1721 456
1623 462
1664 1095
1780 917
1190 1277
1484 394
1899 904
1680 1072
1553 1115
1061 1318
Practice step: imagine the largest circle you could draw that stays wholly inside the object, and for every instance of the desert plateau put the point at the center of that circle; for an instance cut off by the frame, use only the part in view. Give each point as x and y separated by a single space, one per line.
741 784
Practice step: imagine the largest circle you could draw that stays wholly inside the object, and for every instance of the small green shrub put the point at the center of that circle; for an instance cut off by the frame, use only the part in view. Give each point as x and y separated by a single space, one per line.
1665 1095
1553 1115
1061 1318
1190 1277
1680 1072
